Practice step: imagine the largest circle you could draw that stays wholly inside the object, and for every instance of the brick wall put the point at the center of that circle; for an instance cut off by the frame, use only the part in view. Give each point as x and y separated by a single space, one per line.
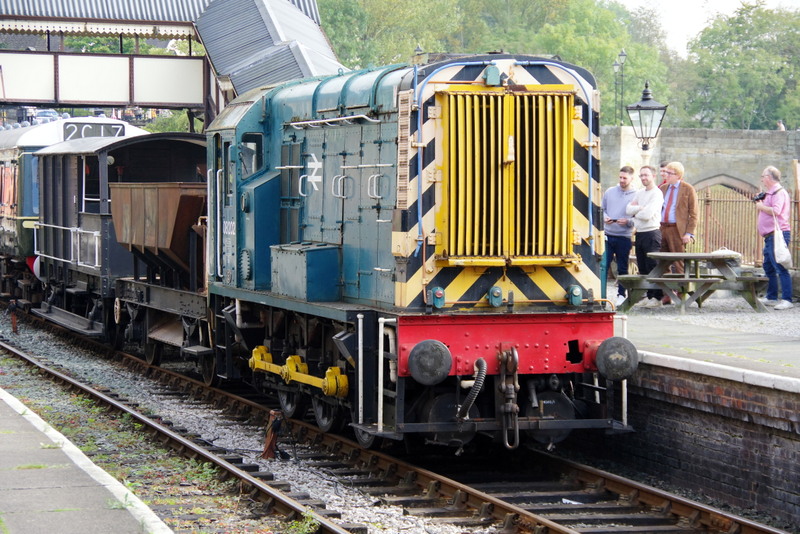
734 443
706 154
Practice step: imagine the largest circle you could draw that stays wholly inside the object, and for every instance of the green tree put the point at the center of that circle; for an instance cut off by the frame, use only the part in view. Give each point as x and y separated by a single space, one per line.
180 47
509 25
175 121
368 33
107 44
592 34
746 69
741 72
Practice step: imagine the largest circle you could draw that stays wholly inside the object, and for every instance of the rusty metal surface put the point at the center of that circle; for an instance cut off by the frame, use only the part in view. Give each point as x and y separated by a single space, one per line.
157 217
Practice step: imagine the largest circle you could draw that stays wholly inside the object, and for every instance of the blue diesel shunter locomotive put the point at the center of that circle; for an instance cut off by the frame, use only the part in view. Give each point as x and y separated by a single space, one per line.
415 249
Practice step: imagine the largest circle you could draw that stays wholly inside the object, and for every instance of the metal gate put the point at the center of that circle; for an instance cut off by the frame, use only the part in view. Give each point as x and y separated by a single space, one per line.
727 218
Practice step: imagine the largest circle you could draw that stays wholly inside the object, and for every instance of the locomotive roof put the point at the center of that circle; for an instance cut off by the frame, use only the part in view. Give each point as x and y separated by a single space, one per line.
92 145
41 135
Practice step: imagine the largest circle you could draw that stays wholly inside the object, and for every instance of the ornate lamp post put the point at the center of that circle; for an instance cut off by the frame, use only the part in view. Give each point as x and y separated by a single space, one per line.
621 57
646 116
616 66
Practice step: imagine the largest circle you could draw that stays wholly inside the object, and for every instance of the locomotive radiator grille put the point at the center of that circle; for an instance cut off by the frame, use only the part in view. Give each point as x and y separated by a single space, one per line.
507 188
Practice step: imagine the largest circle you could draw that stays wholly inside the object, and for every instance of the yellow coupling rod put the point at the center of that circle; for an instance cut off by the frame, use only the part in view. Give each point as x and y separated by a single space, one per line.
334 384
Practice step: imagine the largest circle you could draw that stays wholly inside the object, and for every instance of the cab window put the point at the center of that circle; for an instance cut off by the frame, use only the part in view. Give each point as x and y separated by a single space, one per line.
251 153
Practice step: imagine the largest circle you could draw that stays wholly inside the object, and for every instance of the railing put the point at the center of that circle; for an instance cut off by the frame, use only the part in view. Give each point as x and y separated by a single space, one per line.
727 218
78 255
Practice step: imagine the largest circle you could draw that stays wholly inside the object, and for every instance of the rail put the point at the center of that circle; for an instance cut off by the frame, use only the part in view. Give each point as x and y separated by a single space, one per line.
259 489
599 502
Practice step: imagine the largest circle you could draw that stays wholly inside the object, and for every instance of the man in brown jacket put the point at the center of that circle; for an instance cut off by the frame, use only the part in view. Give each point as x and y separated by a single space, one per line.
679 214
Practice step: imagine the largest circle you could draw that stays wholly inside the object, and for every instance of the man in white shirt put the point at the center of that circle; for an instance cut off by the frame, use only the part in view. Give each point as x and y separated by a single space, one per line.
645 212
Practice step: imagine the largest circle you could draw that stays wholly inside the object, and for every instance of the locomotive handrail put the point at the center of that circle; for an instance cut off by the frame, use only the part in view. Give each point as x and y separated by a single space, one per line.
300 190
219 221
367 165
73 231
360 318
373 185
381 330
299 125
337 186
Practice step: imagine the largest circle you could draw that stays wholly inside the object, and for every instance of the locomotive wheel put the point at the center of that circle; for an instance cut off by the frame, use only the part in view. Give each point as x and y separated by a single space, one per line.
365 439
118 311
208 368
152 353
115 332
293 403
328 416
554 405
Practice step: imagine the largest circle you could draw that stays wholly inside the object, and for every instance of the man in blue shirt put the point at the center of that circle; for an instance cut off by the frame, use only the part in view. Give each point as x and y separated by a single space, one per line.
618 227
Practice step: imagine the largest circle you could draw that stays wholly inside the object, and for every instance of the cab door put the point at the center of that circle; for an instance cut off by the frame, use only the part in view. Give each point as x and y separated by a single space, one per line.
378 196
324 157
222 184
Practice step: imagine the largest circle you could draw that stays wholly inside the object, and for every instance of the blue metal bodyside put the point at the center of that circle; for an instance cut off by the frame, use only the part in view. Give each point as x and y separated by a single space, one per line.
306 271
260 222
355 197
335 180
256 205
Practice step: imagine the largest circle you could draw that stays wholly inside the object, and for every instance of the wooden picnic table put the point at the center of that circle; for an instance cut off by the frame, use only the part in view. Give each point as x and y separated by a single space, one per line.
704 273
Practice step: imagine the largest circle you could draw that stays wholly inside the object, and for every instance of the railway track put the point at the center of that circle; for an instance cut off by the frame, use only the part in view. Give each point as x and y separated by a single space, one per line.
257 483
566 497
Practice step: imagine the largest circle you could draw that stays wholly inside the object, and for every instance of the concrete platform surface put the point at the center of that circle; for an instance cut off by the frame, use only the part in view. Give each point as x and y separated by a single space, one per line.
47 485
766 360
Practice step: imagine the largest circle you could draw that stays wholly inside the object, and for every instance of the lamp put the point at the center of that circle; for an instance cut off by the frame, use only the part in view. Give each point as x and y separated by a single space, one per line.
646 116
621 57
616 67
420 57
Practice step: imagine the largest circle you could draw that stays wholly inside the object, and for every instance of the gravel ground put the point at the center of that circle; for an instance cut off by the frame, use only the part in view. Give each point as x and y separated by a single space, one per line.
728 313
725 312
215 427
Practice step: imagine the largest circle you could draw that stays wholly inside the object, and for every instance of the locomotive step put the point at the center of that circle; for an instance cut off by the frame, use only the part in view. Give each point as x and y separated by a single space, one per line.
197 351
79 289
372 429
71 321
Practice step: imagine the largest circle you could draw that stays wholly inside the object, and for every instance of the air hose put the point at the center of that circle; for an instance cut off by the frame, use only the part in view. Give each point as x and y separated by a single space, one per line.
463 411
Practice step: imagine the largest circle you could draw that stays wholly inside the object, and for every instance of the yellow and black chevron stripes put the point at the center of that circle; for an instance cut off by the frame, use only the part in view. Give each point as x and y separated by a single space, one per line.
467 287
543 232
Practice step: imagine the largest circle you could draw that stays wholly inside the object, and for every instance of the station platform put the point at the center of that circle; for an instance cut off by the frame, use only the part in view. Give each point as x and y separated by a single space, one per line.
766 360
48 485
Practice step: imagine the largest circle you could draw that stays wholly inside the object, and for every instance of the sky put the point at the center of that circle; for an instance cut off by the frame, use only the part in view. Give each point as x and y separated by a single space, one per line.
682 20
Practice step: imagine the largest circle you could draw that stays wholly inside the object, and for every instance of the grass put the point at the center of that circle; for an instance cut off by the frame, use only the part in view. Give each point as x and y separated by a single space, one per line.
114 504
31 466
306 525
157 475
